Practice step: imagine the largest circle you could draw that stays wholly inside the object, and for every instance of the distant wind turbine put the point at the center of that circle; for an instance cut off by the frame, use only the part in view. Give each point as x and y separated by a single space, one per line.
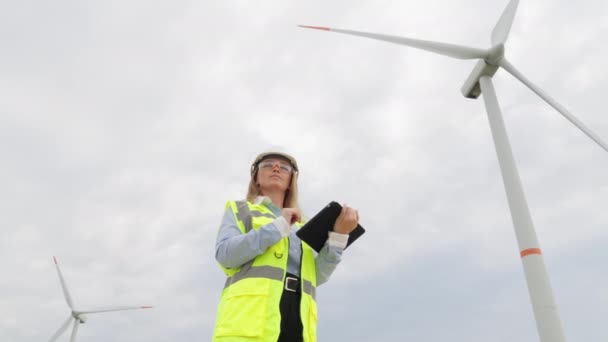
480 82
78 316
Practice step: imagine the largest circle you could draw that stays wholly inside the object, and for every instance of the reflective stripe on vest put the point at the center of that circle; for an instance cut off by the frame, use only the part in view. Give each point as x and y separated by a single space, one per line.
247 271
244 215
268 272
307 287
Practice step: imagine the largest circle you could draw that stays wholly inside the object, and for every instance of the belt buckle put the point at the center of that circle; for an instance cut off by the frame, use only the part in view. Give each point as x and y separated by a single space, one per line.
289 281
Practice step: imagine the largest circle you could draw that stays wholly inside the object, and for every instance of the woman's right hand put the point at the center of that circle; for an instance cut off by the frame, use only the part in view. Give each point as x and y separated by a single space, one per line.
291 215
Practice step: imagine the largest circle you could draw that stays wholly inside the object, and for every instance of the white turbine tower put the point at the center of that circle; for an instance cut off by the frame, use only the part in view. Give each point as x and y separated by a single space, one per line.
78 316
480 82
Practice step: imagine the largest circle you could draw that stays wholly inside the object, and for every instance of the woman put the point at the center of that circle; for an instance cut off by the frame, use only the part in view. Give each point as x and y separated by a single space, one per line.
269 295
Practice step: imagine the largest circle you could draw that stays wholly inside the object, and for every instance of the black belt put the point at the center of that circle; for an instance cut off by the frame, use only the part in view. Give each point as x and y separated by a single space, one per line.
292 283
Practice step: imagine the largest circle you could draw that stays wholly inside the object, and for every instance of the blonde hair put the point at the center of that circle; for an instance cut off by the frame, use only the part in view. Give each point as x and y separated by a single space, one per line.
291 194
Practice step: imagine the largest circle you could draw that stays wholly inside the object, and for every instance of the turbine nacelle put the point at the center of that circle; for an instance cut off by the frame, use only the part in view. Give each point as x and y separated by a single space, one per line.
484 67
471 88
80 317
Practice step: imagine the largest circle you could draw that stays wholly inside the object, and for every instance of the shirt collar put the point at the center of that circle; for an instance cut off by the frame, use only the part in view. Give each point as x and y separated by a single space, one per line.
262 200
265 200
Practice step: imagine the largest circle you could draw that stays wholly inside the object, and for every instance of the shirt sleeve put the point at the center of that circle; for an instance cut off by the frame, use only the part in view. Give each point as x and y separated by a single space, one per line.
330 255
233 249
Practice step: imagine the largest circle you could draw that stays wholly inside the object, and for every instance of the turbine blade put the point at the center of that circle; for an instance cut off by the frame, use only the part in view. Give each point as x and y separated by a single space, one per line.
66 293
113 308
62 329
74 330
503 26
511 69
451 50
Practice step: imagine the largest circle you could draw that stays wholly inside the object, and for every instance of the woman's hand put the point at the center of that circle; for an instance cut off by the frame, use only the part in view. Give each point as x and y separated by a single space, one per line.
347 221
291 215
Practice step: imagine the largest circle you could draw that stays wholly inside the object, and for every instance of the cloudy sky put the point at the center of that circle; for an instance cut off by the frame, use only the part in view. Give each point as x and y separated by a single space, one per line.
125 126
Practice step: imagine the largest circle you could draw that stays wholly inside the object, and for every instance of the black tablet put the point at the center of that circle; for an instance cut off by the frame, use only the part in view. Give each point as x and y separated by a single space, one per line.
315 231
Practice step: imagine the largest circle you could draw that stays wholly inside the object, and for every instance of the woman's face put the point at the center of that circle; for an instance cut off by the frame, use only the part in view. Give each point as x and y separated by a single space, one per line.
274 174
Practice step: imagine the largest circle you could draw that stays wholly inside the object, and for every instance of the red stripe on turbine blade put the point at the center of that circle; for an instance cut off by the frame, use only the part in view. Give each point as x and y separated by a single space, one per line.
147 307
530 251
316 27
55 260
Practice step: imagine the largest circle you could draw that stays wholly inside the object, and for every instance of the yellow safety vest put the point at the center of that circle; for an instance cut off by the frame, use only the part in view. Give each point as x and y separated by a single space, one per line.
249 306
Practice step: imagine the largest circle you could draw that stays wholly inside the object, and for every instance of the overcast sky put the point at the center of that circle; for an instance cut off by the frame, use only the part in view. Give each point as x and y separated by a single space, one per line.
125 126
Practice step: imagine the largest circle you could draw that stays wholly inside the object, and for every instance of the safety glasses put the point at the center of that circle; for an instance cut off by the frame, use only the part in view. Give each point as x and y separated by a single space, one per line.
269 164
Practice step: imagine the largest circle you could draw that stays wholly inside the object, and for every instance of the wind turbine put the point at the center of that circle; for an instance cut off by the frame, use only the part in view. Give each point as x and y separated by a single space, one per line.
480 82
78 316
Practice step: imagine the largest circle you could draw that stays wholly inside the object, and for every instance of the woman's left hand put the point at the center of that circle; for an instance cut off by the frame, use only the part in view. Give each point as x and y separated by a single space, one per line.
347 221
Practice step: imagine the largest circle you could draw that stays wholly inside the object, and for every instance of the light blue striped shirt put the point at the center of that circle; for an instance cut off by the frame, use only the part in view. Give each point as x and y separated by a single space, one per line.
233 249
